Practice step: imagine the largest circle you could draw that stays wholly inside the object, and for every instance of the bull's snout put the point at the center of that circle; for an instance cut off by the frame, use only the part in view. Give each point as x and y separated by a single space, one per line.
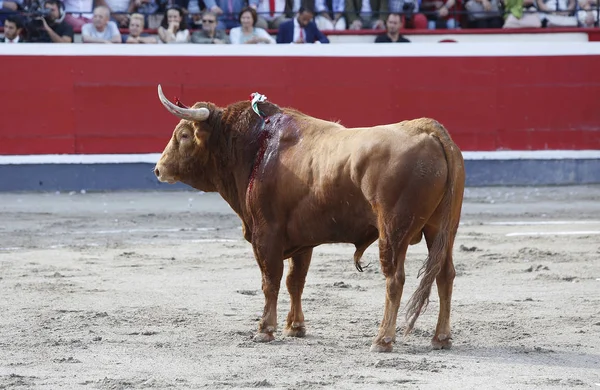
163 174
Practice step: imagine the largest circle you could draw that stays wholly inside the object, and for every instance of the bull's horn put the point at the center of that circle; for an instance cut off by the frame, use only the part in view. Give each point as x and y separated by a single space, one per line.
192 114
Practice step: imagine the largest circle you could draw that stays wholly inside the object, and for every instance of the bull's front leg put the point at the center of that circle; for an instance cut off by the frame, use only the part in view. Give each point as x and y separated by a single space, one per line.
269 258
295 283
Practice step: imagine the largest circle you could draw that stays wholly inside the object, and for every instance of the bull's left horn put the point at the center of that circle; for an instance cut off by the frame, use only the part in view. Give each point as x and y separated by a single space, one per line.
192 114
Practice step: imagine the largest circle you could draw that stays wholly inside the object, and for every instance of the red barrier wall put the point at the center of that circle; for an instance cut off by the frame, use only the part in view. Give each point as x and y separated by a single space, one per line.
102 104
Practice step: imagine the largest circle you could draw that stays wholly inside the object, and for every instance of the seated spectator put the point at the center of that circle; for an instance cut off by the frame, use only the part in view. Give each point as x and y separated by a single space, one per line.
521 14
78 12
330 14
301 29
209 32
247 32
440 14
409 10
393 24
136 31
588 13
50 28
271 13
364 14
13 29
227 11
557 13
173 28
484 14
101 30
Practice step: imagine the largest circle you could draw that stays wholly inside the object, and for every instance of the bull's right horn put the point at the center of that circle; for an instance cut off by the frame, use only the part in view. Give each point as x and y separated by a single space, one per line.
191 114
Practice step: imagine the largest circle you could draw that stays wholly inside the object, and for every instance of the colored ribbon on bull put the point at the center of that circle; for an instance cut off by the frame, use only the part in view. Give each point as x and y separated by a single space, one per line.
258 98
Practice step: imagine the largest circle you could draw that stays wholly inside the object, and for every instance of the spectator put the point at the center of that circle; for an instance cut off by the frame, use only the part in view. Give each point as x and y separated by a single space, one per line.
330 14
271 13
136 31
557 13
173 28
248 32
13 29
209 32
484 14
227 11
393 24
50 28
521 14
588 13
78 12
101 30
440 14
366 14
409 10
301 29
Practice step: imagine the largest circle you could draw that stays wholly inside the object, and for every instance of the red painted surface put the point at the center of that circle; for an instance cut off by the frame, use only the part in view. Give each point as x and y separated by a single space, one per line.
110 104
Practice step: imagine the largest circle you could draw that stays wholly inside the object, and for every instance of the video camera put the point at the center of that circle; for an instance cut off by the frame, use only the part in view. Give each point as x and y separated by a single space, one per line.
37 10
35 26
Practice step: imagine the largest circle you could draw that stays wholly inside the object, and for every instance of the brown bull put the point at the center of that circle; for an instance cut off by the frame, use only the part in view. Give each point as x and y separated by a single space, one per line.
298 182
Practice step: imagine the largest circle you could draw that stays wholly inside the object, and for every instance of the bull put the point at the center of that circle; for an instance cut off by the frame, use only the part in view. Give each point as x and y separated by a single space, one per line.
297 182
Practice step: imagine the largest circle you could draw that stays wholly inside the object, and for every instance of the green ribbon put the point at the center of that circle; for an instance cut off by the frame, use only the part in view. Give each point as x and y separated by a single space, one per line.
257 98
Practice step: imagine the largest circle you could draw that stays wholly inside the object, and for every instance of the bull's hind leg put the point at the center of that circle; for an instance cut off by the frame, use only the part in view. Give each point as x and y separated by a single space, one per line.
295 284
444 280
394 239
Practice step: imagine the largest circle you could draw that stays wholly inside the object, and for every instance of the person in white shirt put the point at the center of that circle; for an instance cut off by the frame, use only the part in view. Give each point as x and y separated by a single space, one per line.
247 32
101 30
13 28
173 28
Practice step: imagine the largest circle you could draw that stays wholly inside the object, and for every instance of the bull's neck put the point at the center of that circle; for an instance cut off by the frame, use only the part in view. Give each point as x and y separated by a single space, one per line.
235 173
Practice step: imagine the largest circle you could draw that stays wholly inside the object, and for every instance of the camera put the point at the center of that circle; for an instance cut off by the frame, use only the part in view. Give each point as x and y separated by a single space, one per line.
35 27
37 10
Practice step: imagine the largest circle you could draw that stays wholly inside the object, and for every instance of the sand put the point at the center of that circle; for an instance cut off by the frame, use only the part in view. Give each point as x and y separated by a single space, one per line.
158 290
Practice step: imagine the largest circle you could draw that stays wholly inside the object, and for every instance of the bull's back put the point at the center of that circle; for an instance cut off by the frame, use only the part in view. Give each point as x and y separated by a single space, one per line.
331 180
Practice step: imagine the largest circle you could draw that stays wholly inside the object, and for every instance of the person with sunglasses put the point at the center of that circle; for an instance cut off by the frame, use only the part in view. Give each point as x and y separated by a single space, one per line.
210 33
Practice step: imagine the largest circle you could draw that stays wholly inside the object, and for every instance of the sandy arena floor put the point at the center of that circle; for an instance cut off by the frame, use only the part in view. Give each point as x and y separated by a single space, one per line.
158 290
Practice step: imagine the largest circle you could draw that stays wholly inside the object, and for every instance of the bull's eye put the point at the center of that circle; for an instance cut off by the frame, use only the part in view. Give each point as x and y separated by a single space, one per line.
184 136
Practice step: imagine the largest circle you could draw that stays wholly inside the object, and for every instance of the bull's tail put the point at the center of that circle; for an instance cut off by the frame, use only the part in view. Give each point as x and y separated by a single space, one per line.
450 206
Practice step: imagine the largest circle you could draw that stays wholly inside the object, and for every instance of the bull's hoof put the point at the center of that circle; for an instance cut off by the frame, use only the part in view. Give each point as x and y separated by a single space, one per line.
384 345
263 337
299 331
381 348
441 341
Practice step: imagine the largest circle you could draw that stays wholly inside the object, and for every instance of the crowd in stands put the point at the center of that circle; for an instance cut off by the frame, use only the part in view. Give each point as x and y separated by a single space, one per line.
256 21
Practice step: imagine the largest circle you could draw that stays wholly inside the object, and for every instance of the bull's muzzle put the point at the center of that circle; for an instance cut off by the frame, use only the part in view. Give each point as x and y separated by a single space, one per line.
161 175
